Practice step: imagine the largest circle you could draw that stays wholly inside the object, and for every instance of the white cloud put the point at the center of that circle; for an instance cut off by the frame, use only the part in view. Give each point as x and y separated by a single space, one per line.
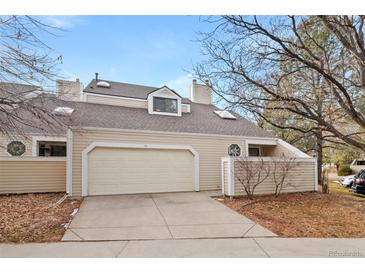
181 84
63 22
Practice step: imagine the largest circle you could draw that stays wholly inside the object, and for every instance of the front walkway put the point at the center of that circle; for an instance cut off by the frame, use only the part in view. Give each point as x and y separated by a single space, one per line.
201 248
190 215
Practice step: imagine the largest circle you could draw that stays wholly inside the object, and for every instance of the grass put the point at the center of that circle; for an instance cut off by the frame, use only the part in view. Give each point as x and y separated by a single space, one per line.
338 214
338 189
34 217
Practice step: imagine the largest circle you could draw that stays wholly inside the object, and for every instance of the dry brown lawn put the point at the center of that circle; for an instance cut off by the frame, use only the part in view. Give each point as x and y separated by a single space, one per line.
34 217
305 214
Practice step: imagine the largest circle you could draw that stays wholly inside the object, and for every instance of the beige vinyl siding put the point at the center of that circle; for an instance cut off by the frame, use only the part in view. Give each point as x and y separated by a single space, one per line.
277 151
126 170
117 101
301 179
4 141
211 148
30 175
124 102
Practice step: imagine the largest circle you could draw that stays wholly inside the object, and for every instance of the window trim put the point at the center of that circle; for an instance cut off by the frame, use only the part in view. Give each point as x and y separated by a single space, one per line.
164 92
36 139
165 98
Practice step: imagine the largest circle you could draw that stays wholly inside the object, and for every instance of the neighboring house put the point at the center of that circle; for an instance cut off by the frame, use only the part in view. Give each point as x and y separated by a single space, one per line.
120 138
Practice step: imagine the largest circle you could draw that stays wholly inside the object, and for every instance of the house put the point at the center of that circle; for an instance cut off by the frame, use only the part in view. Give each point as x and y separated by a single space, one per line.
119 138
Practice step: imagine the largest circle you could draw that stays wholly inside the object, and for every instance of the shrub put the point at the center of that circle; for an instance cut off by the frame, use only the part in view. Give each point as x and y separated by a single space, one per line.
344 171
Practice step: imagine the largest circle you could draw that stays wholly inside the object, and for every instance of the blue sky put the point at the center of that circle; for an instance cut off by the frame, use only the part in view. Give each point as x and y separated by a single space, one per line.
147 50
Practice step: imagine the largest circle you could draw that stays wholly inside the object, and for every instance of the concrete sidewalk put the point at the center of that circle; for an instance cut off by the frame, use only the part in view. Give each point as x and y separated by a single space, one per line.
190 248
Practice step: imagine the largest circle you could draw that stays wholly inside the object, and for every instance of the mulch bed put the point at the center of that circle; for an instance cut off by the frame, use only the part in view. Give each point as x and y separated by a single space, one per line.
34 217
305 214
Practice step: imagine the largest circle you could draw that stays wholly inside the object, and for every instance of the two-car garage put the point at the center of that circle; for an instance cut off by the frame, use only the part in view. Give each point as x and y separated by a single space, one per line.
120 169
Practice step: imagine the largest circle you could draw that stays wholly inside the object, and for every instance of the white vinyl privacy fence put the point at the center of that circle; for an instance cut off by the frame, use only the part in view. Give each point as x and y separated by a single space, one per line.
301 177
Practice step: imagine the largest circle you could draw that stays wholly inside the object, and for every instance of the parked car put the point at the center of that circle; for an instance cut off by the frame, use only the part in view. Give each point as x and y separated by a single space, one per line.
358 185
357 165
348 180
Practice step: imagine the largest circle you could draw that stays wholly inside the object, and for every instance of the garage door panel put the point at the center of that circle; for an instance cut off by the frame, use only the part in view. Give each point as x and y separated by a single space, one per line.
125 171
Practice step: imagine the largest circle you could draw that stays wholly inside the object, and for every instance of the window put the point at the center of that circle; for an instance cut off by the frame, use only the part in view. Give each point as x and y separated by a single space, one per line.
254 151
53 149
164 105
360 162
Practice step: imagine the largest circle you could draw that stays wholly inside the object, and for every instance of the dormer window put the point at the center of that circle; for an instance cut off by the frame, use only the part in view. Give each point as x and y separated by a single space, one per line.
164 105
164 101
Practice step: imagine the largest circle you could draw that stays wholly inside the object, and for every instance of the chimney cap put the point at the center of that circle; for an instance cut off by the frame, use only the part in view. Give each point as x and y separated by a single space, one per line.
194 81
207 82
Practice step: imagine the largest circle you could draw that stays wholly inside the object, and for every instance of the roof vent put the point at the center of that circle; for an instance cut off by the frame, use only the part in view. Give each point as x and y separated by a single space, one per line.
224 114
103 84
66 111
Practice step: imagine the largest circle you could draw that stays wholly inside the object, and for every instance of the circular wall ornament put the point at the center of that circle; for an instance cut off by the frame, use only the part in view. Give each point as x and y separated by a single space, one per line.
234 150
15 148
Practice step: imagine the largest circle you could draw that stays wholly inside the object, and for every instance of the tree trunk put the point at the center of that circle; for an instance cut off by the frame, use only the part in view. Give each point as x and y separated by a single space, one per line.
319 148
319 161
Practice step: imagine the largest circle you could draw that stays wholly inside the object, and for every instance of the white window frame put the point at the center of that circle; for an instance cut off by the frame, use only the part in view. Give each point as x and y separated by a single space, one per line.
164 93
36 139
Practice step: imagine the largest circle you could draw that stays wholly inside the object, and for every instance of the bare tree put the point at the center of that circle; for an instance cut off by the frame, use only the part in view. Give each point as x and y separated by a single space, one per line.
252 61
251 173
281 168
25 59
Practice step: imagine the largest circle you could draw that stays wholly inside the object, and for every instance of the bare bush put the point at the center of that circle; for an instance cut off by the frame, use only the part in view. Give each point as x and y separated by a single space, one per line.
251 173
281 168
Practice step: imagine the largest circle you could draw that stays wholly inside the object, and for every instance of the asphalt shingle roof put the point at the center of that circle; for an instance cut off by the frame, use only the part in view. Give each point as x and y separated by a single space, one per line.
123 90
202 119
13 89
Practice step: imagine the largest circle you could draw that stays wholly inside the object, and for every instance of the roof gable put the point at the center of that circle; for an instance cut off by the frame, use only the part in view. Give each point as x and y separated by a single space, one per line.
164 91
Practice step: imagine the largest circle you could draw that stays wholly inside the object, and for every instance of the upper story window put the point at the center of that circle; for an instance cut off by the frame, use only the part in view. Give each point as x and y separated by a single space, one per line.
164 101
164 105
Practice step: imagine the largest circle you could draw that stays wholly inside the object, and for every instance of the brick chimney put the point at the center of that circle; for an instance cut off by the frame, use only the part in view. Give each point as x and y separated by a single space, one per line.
201 94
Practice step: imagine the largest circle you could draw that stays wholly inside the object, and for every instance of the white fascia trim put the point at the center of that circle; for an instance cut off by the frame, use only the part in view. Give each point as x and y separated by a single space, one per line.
36 139
69 163
164 132
170 96
85 154
258 141
112 96
293 149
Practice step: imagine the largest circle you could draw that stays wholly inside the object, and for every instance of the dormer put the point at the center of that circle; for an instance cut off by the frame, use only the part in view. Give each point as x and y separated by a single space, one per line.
164 101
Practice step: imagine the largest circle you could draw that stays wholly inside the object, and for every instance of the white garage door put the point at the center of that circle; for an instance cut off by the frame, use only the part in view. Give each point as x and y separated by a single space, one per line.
126 171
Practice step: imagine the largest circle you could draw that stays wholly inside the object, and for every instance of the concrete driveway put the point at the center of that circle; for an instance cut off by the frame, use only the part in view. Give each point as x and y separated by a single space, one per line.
190 215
